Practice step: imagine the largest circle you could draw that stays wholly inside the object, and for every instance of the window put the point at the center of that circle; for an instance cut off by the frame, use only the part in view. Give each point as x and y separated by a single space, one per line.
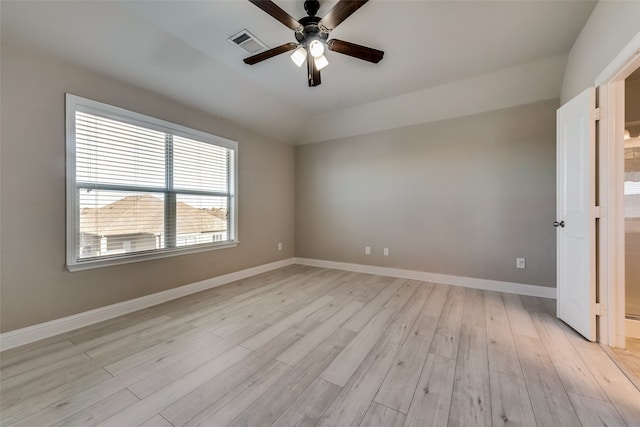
140 187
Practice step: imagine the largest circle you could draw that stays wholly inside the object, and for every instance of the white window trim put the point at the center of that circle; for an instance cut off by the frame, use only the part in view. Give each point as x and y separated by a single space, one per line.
73 103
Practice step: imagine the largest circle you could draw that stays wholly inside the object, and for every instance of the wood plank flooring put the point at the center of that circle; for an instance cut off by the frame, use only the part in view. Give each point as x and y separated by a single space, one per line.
305 346
628 359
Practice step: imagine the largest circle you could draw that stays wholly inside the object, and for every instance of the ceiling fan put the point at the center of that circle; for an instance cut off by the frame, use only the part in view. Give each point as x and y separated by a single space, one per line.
311 33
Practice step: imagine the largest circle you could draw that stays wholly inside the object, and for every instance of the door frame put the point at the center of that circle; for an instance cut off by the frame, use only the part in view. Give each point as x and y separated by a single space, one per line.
611 290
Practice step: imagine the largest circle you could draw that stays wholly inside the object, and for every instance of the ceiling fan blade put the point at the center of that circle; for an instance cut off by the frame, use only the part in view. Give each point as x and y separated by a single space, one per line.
341 11
312 71
355 50
258 57
275 11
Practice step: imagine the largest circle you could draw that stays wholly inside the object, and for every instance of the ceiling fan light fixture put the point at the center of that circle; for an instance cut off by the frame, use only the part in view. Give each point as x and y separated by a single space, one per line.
321 62
298 56
316 48
312 36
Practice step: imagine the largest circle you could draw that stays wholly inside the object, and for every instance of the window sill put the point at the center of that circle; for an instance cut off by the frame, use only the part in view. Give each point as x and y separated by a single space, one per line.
99 263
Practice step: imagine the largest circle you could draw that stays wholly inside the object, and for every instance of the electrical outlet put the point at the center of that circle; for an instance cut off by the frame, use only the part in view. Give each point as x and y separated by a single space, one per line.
279 246
367 250
386 251
520 263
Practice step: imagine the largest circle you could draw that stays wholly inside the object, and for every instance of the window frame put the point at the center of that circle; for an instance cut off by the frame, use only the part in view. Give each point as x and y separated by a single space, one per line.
76 103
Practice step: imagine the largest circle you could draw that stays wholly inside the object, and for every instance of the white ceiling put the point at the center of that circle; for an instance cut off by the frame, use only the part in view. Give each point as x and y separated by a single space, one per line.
180 49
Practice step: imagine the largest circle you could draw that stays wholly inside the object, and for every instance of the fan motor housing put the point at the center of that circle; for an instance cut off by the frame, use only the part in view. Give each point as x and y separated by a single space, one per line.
311 30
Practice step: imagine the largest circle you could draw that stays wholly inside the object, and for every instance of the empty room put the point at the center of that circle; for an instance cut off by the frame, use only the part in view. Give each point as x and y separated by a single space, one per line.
319 213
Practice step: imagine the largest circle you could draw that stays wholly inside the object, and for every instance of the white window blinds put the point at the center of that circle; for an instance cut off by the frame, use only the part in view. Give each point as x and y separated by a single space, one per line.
140 187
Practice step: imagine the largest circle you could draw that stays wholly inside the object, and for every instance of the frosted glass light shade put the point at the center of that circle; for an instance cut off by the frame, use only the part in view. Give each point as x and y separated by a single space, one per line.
316 48
298 56
321 62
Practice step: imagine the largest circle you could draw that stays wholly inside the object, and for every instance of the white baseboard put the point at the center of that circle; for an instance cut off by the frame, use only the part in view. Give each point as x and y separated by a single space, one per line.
632 328
40 331
468 282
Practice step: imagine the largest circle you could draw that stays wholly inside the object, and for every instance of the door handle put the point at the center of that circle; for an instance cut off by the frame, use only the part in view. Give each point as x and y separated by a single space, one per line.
558 224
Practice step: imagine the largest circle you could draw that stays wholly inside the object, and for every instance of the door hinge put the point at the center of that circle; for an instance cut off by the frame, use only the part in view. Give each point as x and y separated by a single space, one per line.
598 309
596 212
596 113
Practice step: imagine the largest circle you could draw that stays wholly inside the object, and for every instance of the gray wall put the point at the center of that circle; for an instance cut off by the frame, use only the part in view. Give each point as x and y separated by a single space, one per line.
35 287
464 196
610 27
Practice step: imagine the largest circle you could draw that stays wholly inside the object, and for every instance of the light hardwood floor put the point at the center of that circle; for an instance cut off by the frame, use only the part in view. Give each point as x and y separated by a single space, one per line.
629 359
304 346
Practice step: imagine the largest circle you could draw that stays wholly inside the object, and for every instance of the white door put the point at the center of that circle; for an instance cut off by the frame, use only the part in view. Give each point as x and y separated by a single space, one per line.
575 222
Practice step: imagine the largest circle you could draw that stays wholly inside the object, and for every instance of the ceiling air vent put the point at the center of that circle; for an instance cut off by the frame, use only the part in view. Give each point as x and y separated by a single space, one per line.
247 41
